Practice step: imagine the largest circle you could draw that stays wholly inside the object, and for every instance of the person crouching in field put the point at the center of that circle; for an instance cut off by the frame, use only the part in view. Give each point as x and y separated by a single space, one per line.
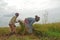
29 23
12 23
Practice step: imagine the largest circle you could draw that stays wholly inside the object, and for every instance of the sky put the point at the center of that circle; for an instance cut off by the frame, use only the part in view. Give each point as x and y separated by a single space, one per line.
29 8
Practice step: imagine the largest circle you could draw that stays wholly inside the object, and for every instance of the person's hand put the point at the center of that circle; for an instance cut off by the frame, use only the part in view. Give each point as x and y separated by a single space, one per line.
18 20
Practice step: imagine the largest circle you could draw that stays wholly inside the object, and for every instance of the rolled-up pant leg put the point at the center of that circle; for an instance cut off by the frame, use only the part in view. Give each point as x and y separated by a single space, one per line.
12 28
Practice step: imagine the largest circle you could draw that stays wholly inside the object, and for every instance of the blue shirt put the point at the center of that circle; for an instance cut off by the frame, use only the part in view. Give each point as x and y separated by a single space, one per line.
31 20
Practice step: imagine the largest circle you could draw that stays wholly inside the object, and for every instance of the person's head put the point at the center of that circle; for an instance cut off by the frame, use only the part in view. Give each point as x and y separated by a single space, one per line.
37 18
17 14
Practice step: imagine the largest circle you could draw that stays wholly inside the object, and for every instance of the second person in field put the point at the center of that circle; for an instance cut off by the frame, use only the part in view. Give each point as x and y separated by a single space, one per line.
12 23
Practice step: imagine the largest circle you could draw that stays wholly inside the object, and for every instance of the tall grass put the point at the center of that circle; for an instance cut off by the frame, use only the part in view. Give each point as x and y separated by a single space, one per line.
49 31
52 29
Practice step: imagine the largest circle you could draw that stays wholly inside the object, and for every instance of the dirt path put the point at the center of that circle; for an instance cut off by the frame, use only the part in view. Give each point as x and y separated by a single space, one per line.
25 37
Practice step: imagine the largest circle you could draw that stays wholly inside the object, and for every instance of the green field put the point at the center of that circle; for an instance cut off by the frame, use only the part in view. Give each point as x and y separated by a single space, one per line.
41 32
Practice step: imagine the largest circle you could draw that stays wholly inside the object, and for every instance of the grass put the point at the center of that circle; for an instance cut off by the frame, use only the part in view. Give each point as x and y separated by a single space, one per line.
43 31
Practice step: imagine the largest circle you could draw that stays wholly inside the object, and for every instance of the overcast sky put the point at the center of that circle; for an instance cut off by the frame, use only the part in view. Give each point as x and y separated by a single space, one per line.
29 8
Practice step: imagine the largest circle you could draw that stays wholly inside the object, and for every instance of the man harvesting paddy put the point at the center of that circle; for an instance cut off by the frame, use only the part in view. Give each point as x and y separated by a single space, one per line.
29 23
12 23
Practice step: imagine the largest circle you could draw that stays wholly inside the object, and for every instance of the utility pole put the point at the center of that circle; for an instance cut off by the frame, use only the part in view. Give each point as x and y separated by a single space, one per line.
45 15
